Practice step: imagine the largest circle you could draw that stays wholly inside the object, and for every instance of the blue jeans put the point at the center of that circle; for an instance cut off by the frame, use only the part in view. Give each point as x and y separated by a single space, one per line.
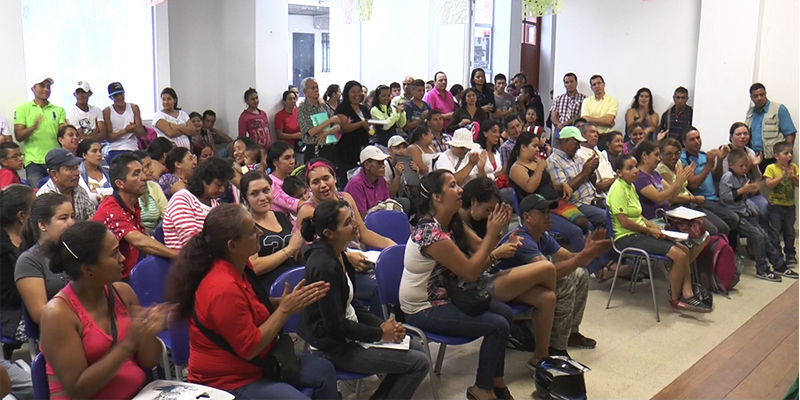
367 292
760 203
34 173
493 326
595 215
405 369
759 242
730 218
315 372
782 227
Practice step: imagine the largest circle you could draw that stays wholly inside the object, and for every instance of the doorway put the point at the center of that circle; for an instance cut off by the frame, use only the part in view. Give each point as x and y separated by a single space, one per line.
302 57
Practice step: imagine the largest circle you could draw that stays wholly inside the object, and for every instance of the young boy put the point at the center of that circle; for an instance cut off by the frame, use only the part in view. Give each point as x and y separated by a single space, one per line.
781 179
253 156
11 161
295 187
734 189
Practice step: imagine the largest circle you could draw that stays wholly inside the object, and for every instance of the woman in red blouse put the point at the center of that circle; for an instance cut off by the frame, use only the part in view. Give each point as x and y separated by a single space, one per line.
209 279
286 125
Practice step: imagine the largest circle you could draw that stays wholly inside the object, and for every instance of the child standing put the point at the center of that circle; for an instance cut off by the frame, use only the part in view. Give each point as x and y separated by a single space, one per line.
531 125
781 177
11 161
734 188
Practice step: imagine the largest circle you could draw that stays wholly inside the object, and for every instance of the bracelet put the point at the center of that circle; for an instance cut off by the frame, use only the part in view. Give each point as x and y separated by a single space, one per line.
286 252
493 259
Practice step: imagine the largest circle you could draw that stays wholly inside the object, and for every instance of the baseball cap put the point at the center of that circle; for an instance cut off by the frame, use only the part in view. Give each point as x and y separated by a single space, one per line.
396 140
536 202
60 157
372 153
41 78
115 88
571 132
83 85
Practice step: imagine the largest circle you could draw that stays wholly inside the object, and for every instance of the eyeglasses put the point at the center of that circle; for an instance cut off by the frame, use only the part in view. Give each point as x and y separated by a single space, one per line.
669 155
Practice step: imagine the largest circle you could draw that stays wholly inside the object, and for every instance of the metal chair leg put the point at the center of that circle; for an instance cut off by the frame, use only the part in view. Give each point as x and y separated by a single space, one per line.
440 359
427 349
653 288
613 282
32 348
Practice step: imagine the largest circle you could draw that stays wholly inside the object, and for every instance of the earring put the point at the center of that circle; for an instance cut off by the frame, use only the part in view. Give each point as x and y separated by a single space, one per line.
91 274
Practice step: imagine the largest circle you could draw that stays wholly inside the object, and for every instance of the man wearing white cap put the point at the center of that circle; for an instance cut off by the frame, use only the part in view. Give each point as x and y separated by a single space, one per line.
86 118
36 124
461 159
368 187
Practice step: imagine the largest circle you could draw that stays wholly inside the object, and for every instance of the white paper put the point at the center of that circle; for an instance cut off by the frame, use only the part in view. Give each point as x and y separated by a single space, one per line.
372 255
675 235
175 390
685 213
404 345
377 122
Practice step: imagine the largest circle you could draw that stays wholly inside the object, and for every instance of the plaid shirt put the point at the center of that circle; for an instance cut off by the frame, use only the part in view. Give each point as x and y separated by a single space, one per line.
505 150
84 208
562 168
304 113
441 146
567 107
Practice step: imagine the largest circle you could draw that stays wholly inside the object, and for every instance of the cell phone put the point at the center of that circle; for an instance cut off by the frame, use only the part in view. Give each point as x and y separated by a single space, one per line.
409 175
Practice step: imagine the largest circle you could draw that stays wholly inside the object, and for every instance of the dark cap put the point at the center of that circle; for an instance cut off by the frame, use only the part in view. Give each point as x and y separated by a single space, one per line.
115 88
537 202
60 157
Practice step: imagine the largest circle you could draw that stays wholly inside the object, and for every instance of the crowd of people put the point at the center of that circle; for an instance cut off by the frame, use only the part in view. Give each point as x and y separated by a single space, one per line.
236 213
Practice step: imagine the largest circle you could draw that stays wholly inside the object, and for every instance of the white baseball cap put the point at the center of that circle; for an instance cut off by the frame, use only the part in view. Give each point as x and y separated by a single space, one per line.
396 140
41 78
372 153
83 85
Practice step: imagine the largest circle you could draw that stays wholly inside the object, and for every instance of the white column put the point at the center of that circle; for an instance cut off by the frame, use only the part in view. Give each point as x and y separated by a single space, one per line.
12 68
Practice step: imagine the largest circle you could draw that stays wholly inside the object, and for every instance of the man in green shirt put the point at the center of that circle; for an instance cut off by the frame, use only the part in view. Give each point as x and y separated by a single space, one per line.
36 124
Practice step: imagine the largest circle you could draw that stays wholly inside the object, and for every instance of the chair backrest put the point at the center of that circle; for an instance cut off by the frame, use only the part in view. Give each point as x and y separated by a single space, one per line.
610 228
148 277
293 277
31 328
41 389
516 202
158 233
388 272
43 181
179 341
390 224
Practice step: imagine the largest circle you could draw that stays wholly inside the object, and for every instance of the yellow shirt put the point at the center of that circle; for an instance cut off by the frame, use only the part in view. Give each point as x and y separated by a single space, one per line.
783 194
623 199
600 108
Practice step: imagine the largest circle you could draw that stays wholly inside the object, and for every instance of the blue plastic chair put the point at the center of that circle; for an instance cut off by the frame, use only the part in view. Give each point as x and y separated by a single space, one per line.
293 277
147 280
179 345
388 272
41 389
637 255
390 224
8 342
158 233
31 331
43 181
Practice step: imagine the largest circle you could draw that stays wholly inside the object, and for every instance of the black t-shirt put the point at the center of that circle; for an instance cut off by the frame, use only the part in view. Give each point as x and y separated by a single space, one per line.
273 242
349 146
545 188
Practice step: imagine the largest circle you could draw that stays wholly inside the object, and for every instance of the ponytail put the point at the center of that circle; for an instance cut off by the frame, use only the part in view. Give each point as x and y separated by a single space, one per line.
326 216
42 210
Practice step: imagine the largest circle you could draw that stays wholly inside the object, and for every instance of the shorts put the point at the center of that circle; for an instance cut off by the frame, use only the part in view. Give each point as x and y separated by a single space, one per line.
653 246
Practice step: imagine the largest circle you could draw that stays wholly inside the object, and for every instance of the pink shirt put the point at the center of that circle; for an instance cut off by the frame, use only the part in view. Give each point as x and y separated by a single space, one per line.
281 201
256 127
444 104
365 193
183 218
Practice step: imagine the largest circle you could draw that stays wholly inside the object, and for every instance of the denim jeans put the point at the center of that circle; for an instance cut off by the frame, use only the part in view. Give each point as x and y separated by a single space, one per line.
781 226
577 240
760 203
367 292
315 372
493 326
725 214
405 369
34 173
760 243
595 215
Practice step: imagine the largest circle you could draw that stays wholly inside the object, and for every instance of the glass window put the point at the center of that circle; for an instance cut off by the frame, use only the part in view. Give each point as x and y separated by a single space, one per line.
96 41
482 35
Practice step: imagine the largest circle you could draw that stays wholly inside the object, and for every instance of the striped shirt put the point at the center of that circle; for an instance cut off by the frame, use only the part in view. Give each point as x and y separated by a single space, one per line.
184 218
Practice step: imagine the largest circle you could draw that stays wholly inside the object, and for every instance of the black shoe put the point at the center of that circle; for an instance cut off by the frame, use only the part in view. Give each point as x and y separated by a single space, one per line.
556 352
791 261
503 393
580 341
768 275
786 272
690 304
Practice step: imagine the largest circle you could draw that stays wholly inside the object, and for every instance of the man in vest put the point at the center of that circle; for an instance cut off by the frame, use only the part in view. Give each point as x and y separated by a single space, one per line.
769 123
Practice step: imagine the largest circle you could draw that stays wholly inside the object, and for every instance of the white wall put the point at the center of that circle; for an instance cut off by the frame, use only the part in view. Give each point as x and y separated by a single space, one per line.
546 80
271 28
779 51
12 68
630 43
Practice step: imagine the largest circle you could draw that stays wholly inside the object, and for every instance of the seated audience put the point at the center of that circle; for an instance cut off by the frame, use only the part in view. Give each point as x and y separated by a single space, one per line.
93 173
158 150
368 187
281 162
354 119
421 148
123 122
210 134
286 126
479 198
734 189
614 147
532 125
295 187
652 193
636 135
604 174
253 158
278 246
468 112
338 322
171 122
739 139
632 230
677 120
85 360
489 140
15 382
641 112
440 138
203 150
437 257
383 110
15 206
68 138
572 279
11 161
214 287
668 168
121 214
513 128
65 180
398 187
462 159
187 209
781 180
180 164
457 91
153 203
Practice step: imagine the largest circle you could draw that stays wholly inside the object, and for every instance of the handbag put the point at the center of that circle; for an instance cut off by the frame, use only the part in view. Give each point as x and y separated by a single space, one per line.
281 363
472 298
695 228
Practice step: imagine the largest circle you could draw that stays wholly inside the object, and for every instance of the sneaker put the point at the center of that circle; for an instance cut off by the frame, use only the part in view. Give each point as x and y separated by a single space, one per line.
791 261
786 272
580 341
768 275
691 304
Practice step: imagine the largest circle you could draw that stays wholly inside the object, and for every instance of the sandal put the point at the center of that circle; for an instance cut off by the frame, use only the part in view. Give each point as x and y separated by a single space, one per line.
471 396
607 272
502 393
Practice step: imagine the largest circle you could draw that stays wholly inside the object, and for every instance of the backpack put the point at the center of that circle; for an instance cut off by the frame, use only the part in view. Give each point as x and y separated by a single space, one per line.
716 265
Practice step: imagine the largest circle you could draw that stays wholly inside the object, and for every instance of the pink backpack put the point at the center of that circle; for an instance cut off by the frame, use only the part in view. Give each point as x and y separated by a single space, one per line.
144 142
717 265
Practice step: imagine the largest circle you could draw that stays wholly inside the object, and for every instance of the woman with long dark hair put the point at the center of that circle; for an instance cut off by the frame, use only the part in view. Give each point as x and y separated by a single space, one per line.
641 111
212 286
489 140
332 97
468 111
171 122
383 110
253 121
180 165
355 129
15 206
281 161
420 149
483 89
337 322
